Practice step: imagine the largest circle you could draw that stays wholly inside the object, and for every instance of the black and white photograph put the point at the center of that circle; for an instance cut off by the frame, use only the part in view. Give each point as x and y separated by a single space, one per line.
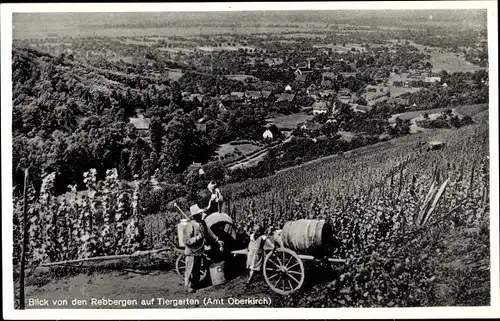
195 157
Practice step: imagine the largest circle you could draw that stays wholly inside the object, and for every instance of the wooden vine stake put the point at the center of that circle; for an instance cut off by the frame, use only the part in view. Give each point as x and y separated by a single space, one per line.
25 236
436 200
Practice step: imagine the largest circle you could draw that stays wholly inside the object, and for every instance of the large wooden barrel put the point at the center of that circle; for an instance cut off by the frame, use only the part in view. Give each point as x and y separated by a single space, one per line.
308 236
221 225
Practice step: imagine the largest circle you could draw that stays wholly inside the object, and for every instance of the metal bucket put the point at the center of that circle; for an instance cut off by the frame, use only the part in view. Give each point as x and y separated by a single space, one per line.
217 273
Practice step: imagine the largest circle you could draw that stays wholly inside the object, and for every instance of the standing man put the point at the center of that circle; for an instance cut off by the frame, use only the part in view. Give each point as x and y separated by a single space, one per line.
195 246
215 203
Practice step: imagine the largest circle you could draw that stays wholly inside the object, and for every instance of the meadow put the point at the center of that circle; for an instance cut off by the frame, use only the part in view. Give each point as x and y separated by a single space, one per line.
240 149
289 121
451 63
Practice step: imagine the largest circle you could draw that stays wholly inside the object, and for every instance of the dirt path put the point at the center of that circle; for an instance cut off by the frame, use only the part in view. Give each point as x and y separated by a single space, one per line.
156 289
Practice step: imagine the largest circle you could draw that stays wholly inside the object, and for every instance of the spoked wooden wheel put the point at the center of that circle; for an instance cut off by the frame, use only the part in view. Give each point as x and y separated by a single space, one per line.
283 271
180 267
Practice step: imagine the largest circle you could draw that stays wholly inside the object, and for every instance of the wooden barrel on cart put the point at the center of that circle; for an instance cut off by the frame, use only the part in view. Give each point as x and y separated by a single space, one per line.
308 236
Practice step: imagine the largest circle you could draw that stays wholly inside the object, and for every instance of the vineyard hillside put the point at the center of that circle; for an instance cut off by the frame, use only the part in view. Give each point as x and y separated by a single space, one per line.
396 257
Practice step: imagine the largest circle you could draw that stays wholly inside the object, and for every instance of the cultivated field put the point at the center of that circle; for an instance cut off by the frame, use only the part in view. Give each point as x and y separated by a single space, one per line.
228 148
289 121
398 91
471 110
413 114
242 77
174 74
451 63
341 48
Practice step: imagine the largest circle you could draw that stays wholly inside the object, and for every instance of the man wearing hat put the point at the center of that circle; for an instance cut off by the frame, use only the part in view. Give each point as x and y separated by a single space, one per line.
195 243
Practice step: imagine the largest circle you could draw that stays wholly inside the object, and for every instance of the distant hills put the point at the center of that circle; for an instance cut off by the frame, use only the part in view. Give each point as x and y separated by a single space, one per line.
53 22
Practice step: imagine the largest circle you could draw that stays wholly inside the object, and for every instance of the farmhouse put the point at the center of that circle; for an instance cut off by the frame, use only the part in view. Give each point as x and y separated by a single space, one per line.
273 61
195 97
345 92
345 99
253 94
320 107
397 101
310 127
301 71
288 88
222 108
432 79
266 94
326 93
371 89
435 145
329 74
348 74
196 167
238 94
300 78
267 134
361 108
326 83
226 97
286 97
202 127
311 89
141 124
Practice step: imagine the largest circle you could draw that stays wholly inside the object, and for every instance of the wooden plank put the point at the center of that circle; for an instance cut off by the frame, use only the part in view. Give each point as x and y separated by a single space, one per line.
312 258
240 252
436 200
25 240
104 258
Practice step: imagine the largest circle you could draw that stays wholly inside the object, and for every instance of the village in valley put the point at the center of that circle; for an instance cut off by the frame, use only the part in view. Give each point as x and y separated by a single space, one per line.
322 80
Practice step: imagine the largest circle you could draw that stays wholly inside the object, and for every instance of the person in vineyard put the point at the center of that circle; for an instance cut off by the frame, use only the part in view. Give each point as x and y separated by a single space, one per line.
215 203
256 251
194 250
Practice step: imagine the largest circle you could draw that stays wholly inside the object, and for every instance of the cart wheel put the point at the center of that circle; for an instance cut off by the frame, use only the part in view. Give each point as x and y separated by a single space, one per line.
283 271
180 267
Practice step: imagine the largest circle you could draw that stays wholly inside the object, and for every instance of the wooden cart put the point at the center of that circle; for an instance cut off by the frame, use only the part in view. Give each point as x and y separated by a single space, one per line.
283 268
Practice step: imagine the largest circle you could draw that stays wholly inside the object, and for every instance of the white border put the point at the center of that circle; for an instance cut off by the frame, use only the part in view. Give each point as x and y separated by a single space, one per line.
225 313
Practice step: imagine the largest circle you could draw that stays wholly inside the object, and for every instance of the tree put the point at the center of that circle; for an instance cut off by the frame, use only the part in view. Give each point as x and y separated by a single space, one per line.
156 134
123 165
330 129
215 171
17 119
176 94
139 154
131 131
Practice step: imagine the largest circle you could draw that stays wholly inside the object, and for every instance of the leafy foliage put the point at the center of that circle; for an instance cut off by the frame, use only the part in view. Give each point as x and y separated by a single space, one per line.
104 219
